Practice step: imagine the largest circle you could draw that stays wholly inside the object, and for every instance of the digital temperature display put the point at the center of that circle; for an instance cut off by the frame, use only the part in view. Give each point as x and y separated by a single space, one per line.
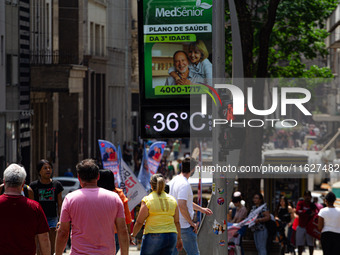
168 123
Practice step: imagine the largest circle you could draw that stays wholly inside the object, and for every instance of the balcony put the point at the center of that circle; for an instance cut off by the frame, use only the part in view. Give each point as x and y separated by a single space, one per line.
57 78
46 57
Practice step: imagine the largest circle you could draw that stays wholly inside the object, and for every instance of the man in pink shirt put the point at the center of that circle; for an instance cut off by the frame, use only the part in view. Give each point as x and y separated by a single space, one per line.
92 212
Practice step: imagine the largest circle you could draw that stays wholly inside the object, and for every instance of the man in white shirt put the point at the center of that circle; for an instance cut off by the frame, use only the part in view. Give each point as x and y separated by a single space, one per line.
180 188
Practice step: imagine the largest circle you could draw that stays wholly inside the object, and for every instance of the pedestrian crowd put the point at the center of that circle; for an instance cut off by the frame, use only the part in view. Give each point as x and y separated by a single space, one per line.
96 218
291 227
307 136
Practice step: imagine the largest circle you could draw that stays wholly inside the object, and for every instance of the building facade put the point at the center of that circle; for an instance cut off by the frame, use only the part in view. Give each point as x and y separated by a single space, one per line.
14 83
78 79
2 84
330 114
65 80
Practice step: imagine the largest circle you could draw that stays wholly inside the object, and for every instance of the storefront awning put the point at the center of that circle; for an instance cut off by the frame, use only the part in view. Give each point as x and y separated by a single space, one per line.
326 117
285 159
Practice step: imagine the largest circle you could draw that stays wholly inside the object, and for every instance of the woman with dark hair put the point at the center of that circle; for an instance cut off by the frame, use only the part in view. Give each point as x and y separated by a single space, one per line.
259 229
241 211
283 211
48 193
162 232
107 181
329 225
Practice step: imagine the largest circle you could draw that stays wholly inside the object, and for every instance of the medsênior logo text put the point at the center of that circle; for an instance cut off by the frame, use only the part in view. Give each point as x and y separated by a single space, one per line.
183 11
178 12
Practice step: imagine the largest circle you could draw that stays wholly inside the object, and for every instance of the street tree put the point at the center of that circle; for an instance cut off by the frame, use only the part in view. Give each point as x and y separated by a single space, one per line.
277 36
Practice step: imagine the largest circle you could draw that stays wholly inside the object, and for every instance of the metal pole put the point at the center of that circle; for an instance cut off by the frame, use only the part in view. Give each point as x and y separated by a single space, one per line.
217 243
127 25
219 197
210 240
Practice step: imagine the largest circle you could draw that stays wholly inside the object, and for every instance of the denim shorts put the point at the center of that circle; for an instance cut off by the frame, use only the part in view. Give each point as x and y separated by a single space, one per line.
52 221
158 244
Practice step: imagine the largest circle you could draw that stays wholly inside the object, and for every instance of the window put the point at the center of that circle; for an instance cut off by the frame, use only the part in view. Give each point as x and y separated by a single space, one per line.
15 69
48 25
91 38
103 41
12 140
8 69
98 38
11 70
2 50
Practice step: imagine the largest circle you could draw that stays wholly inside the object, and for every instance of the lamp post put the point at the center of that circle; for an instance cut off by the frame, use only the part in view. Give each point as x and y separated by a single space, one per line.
223 183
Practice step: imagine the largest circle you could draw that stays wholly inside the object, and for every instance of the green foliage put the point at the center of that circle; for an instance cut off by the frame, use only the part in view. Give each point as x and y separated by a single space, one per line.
298 33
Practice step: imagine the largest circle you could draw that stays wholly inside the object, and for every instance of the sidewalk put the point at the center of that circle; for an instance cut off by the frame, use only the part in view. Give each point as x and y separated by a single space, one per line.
133 251
316 252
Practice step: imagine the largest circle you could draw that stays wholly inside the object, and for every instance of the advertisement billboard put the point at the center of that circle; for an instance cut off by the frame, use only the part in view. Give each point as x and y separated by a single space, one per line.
175 60
177 40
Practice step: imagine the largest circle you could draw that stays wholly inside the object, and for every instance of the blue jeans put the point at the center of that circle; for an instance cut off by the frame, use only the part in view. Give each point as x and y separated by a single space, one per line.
189 239
158 244
260 239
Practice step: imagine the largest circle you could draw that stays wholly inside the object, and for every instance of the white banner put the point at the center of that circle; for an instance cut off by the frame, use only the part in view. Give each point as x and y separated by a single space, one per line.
134 189
250 220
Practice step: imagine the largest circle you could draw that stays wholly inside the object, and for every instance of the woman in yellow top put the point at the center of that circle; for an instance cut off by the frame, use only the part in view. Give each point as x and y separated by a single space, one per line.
162 232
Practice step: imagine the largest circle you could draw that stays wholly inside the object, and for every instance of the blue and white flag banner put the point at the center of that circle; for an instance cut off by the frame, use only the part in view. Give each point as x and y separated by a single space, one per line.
144 174
155 155
150 163
120 170
110 159
249 221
